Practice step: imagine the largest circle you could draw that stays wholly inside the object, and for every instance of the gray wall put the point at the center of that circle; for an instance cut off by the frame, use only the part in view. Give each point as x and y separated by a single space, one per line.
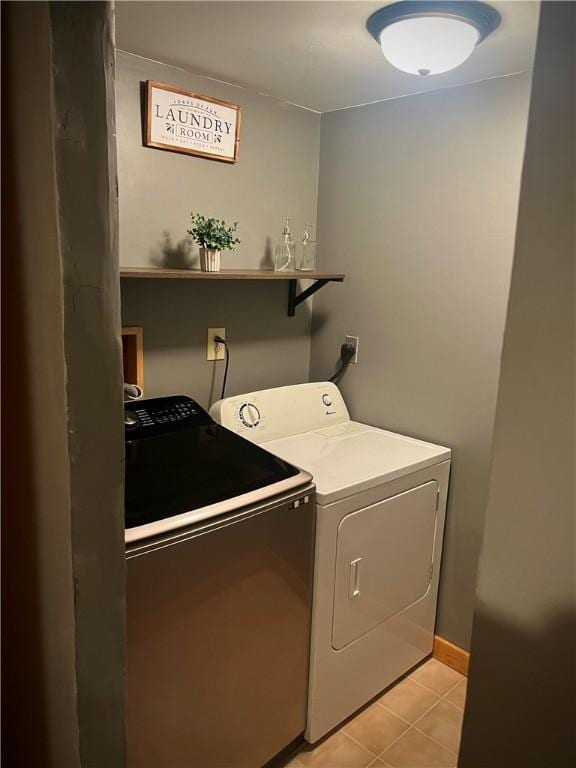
276 176
85 153
417 204
62 527
39 725
520 709
267 348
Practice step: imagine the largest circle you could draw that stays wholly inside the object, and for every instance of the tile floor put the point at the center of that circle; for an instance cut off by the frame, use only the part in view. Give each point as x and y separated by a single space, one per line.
415 724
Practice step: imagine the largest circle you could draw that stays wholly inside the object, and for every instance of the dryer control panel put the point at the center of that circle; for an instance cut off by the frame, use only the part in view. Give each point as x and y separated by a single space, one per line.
281 412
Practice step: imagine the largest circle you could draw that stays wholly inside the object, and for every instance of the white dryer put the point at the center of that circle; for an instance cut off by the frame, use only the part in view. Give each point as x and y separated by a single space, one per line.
381 501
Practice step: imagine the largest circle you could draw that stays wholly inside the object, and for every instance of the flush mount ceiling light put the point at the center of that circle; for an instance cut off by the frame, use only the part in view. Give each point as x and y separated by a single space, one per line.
427 38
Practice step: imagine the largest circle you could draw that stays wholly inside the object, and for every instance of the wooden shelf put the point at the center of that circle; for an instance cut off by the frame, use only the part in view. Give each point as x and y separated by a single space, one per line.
294 298
227 274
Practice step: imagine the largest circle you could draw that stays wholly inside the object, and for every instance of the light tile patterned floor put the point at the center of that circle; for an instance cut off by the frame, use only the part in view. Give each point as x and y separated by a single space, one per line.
415 724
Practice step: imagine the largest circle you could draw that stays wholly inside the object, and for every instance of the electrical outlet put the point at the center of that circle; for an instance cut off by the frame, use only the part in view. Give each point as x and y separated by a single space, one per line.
354 342
214 350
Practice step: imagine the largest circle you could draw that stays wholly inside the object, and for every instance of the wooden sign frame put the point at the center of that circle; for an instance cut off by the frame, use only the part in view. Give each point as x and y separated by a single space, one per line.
199 125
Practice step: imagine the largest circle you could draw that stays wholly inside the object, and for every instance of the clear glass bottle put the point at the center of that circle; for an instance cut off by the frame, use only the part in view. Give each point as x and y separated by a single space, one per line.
306 257
284 260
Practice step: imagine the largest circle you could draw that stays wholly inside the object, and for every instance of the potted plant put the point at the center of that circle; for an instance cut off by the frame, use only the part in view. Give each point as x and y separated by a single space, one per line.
213 236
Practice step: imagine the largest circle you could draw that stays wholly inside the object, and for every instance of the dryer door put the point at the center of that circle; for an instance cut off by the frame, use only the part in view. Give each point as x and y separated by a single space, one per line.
383 561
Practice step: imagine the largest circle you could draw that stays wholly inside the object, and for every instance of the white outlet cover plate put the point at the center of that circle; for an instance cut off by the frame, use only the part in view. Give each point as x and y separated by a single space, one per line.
354 340
211 353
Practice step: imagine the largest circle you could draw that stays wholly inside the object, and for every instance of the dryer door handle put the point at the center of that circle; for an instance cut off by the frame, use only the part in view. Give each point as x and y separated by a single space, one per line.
354 583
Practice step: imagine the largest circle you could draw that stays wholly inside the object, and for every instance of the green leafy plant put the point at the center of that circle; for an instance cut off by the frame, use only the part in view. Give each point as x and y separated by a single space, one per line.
213 233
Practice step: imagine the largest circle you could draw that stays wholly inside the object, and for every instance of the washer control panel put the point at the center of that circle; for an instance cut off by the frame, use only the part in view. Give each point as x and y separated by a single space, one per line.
276 413
162 414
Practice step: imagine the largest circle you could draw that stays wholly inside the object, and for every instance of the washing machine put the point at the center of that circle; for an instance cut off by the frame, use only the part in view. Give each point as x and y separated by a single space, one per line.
381 501
219 582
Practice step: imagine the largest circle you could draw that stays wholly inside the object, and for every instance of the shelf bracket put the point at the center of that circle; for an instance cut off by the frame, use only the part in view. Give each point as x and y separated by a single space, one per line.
295 298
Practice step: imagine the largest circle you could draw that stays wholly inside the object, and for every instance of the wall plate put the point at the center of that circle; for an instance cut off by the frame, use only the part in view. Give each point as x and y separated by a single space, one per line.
353 341
215 351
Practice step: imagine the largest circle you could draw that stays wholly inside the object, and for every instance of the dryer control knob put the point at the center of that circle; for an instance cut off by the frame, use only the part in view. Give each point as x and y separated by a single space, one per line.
327 400
249 415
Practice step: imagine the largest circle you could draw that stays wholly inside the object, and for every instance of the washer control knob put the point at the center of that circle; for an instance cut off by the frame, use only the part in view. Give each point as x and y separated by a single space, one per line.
131 420
249 415
327 400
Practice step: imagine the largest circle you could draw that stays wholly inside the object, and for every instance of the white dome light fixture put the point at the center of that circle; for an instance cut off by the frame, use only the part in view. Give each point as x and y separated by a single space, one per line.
427 38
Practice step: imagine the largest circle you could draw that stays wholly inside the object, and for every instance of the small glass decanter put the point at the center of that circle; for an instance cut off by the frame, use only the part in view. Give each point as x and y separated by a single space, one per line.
306 258
284 251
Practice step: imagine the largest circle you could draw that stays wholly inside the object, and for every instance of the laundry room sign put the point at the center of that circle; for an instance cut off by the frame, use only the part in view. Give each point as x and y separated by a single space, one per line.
182 121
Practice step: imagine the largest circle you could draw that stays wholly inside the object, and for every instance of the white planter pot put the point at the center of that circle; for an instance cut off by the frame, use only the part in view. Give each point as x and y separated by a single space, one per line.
209 260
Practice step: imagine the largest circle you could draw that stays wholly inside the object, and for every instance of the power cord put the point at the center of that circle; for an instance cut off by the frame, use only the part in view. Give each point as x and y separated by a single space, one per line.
347 352
220 340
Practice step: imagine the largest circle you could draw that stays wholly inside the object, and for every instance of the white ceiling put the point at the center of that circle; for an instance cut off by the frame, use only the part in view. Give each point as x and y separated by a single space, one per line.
315 54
